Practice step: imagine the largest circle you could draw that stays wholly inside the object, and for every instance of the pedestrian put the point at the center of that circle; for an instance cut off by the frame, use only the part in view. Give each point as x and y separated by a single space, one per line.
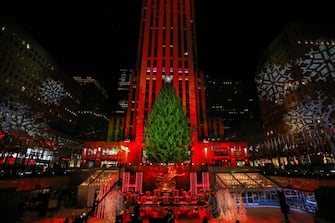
170 216
204 220
119 218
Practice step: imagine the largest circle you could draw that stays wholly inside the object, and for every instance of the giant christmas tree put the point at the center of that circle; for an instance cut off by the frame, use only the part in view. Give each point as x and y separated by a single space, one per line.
167 132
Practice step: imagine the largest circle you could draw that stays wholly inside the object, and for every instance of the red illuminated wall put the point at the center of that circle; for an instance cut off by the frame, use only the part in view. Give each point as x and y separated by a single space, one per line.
228 153
215 127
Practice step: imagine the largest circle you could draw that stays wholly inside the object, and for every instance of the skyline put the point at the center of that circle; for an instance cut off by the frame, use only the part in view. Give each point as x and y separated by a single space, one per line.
98 39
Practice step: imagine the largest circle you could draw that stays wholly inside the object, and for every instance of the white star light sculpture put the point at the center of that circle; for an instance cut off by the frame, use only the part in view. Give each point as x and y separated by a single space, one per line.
168 79
52 91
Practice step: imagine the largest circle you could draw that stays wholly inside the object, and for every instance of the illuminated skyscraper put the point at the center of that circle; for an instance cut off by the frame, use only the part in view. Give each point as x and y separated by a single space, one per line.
166 51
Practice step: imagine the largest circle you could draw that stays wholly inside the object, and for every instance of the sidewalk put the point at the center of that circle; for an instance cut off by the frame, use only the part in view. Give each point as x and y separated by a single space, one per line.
260 214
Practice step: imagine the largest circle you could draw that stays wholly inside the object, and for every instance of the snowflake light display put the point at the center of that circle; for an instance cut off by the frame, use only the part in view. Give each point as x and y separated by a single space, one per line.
17 116
321 108
311 114
11 112
298 119
274 82
319 64
52 91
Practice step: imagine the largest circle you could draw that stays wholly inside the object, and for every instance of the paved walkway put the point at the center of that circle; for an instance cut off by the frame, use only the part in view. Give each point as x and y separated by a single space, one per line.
258 214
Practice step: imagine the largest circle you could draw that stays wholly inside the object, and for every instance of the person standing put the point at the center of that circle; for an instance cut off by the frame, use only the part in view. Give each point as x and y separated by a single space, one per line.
204 220
170 216
119 218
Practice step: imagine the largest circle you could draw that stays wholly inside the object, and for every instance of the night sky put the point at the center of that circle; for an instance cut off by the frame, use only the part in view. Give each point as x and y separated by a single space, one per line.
97 38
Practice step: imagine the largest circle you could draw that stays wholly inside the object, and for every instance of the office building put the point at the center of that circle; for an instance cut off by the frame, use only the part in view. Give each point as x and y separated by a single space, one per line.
295 83
167 54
